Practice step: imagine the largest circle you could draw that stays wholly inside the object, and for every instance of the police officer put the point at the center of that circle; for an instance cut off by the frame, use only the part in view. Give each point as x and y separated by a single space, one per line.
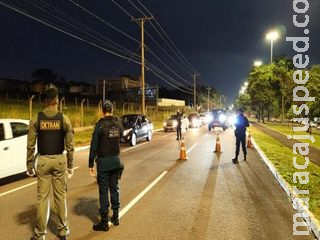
240 132
53 133
105 149
179 123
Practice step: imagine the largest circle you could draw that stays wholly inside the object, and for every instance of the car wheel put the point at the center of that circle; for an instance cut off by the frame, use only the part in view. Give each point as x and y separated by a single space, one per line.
133 140
149 136
165 129
209 128
224 128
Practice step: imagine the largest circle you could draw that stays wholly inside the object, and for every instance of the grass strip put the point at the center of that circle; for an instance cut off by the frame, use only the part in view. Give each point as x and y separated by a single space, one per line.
282 159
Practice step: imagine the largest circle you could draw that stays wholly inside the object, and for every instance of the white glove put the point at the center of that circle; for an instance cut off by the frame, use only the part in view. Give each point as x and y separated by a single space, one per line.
70 172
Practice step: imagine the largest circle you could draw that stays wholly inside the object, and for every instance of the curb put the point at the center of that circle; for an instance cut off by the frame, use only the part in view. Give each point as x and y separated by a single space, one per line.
310 220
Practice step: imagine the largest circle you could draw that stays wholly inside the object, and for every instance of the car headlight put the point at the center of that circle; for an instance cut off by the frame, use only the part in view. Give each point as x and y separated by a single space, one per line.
175 123
127 131
222 118
209 118
164 124
232 120
194 121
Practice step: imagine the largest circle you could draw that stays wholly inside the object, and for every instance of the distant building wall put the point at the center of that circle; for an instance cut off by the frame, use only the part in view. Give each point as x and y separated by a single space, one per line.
166 102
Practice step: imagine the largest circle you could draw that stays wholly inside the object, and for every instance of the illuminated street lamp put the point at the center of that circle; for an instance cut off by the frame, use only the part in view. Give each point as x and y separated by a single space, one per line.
257 63
272 36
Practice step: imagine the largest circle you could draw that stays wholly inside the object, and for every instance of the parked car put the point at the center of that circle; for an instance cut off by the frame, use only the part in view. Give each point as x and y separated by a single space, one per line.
194 120
172 122
136 127
204 117
13 146
217 118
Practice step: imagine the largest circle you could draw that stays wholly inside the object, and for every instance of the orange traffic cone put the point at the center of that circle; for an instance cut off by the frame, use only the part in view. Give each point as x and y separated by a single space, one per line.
183 153
249 142
218 144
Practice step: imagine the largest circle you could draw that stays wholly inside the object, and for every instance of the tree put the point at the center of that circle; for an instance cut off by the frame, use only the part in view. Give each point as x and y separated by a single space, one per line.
44 75
313 85
243 101
260 89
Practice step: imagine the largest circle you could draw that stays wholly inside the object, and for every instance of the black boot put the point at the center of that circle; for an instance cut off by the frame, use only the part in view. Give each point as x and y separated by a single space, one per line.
103 224
245 157
115 217
235 160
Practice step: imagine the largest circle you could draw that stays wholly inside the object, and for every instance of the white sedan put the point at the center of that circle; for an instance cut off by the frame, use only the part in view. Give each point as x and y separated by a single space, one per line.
13 146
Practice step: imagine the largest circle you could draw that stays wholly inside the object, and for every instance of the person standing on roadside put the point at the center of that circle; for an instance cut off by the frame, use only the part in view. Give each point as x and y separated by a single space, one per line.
53 133
179 123
240 132
105 150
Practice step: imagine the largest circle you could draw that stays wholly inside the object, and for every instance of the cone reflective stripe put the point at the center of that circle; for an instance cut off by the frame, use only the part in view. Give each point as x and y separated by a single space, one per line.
183 153
249 142
218 144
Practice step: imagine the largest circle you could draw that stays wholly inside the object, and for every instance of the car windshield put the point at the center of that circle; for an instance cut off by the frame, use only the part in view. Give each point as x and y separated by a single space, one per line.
173 117
193 116
128 121
218 112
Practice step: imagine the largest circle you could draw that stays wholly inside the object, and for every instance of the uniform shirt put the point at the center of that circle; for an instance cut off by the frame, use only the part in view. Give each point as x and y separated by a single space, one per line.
107 162
241 124
32 137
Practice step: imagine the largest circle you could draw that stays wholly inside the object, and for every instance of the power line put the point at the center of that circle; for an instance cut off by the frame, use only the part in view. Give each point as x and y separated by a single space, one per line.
17 9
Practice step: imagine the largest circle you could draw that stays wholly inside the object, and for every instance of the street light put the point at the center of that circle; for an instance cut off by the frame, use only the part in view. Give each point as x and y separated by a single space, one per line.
272 36
257 63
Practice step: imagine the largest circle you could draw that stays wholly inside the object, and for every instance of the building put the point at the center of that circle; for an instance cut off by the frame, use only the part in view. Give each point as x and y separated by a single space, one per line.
41 86
166 102
122 83
81 88
13 85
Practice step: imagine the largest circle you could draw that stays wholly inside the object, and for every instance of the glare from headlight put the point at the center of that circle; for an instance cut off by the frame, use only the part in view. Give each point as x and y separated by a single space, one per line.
232 120
209 118
194 121
175 123
222 118
127 131
164 124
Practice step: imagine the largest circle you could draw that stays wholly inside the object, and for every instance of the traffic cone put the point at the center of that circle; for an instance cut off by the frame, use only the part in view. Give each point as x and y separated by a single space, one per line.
183 153
218 144
249 142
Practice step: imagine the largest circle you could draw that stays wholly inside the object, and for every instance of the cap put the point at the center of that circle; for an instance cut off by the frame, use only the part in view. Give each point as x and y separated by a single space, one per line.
107 106
240 110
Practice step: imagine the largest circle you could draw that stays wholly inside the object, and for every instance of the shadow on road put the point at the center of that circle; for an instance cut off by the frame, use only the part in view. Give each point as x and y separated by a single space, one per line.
201 221
87 207
28 217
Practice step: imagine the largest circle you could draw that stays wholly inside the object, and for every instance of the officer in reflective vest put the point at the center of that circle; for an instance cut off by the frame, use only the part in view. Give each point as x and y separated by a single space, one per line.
53 133
105 149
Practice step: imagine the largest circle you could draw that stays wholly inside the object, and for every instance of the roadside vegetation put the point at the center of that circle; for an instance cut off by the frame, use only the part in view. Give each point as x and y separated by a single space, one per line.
282 159
286 129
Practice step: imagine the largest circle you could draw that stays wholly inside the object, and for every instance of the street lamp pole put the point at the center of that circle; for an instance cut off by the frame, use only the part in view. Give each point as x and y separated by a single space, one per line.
208 97
272 36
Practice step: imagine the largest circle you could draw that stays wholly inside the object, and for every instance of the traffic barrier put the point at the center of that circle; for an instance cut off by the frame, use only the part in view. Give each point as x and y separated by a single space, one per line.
183 153
218 144
249 142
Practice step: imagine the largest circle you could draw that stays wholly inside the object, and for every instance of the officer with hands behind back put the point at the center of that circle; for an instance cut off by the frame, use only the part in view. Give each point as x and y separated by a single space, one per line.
105 150
53 133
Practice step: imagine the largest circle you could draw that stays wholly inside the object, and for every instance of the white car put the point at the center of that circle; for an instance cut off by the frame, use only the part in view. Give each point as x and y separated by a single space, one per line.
172 122
13 146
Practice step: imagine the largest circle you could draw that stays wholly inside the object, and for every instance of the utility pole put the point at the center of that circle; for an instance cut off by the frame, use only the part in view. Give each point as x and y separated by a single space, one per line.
208 88
142 21
195 91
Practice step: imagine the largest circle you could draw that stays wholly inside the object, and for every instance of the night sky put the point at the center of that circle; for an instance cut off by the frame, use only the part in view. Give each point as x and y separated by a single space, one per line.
219 38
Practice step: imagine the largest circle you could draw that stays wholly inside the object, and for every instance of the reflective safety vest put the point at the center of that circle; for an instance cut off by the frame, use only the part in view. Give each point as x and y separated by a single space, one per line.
50 134
109 140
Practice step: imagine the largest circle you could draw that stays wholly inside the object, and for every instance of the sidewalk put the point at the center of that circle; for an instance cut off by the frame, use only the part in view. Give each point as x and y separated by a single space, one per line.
314 153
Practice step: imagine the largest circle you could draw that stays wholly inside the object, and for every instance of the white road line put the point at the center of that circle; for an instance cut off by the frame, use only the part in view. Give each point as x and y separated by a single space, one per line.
192 147
167 135
137 198
24 186
141 144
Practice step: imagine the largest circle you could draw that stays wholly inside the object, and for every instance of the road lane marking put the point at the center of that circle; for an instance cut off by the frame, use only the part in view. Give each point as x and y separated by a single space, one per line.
24 186
137 198
192 147
128 149
167 135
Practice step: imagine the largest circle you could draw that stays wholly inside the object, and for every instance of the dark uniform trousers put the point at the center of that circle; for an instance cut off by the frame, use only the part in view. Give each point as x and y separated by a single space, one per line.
241 139
108 180
51 170
179 136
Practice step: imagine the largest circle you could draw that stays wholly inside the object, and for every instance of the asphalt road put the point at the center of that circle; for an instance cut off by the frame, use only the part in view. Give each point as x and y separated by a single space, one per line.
204 197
